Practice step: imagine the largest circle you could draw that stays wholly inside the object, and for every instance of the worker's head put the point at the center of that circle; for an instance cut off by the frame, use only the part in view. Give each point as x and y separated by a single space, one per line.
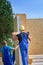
21 28
4 42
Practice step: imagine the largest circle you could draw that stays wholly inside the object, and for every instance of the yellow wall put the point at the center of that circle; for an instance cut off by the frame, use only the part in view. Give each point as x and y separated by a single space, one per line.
35 27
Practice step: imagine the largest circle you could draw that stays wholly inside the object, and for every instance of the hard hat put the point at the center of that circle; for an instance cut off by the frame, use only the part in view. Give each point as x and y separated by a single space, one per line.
21 27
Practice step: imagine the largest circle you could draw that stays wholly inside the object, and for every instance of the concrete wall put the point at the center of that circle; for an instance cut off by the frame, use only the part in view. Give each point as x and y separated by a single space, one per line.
22 19
15 24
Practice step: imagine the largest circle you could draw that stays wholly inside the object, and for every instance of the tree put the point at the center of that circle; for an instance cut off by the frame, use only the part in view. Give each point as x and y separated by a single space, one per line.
6 18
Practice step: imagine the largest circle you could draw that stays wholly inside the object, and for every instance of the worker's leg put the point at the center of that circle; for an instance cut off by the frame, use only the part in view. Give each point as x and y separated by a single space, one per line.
25 61
24 57
5 63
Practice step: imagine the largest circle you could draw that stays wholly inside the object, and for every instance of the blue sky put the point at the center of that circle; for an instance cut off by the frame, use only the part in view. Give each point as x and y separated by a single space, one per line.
32 8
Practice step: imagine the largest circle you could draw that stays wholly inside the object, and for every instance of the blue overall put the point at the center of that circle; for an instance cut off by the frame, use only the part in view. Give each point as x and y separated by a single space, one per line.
6 56
13 56
23 44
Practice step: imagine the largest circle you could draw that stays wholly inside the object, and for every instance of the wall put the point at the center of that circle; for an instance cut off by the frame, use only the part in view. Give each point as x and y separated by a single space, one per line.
35 27
22 19
15 24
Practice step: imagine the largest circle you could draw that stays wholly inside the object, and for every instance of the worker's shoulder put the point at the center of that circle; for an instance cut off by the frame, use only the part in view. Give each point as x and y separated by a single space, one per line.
25 32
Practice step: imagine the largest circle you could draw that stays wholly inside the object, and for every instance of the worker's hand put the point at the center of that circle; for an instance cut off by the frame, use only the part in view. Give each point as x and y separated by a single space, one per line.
15 33
12 34
16 47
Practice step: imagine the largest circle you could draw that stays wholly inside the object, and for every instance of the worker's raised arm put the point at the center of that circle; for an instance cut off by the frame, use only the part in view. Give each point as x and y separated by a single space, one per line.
14 37
29 37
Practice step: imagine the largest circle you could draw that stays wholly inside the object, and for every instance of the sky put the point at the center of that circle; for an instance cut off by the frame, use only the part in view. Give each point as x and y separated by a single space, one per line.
32 8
